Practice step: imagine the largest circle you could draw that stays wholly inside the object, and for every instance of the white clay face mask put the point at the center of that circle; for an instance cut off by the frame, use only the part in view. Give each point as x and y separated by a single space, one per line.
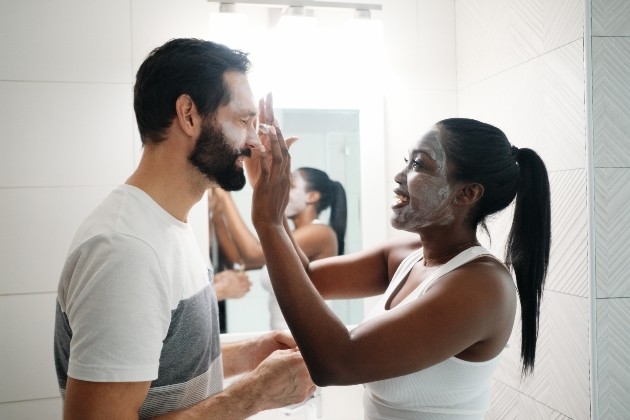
429 193
298 197
238 125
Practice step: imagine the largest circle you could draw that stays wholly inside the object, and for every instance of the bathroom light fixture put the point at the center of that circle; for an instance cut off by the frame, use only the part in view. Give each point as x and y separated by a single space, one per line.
228 27
296 20
312 3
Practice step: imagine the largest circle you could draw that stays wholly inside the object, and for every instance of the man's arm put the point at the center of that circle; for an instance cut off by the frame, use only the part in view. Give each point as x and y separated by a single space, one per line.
280 380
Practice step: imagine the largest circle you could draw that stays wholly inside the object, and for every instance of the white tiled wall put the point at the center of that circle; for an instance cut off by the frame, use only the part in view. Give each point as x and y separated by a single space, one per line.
68 137
611 137
420 76
521 67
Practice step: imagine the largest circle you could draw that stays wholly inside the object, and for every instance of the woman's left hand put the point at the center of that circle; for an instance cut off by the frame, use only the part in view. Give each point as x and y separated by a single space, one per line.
266 120
271 191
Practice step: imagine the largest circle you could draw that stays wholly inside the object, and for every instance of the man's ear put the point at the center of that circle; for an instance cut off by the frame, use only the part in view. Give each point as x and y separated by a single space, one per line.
187 116
313 197
468 194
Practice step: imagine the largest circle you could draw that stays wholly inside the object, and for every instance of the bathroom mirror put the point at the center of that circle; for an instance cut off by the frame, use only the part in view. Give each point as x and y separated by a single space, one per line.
328 140
326 84
345 139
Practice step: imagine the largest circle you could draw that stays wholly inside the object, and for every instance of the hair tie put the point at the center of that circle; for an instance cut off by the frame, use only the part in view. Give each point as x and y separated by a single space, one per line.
515 151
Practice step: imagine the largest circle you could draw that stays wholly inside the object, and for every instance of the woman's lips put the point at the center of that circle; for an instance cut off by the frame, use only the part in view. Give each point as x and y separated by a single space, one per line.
400 199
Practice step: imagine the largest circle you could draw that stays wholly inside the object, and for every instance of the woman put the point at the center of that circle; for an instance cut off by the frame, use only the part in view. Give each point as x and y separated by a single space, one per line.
311 192
433 341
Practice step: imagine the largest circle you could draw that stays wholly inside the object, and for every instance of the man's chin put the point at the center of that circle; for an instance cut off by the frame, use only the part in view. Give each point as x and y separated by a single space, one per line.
234 183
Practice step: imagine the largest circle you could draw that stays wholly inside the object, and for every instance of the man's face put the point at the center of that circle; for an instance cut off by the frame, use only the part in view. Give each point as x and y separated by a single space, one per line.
227 138
214 157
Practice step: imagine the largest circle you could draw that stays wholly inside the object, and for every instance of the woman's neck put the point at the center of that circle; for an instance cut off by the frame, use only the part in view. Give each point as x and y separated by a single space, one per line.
306 217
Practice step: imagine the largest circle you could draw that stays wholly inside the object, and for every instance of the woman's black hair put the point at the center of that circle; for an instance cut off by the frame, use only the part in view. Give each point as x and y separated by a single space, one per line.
333 195
481 153
182 66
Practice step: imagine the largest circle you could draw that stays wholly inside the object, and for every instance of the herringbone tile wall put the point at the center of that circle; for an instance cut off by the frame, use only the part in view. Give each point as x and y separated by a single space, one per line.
611 136
521 67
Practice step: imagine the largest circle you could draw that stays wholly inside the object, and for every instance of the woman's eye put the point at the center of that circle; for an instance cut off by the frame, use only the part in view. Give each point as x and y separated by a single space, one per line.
414 163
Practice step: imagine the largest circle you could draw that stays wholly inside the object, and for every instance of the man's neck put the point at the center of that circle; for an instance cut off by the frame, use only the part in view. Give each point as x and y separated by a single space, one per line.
175 187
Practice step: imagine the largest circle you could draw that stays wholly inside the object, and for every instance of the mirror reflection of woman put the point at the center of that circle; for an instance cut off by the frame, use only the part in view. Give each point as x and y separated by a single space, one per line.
311 192
432 342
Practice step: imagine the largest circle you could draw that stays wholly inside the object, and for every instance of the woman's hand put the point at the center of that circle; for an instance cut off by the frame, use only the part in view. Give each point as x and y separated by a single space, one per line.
265 120
271 191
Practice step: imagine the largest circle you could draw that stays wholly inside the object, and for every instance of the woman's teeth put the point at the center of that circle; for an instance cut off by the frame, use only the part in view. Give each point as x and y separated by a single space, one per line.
400 199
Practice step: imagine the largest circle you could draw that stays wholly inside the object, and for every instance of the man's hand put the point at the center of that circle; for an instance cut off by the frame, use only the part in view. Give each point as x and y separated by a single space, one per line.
245 355
280 380
231 284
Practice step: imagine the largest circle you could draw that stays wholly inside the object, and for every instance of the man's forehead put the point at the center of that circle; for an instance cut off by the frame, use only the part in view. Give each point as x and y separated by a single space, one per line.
241 95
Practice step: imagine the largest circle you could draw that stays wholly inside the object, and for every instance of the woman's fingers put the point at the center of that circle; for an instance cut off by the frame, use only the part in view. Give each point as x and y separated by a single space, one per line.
269 109
290 140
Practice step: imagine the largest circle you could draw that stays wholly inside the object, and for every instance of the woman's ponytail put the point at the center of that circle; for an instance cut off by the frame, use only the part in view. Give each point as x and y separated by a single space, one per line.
528 246
338 214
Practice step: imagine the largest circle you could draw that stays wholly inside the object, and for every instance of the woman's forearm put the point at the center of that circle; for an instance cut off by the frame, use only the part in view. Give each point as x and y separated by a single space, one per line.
226 242
313 325
247 244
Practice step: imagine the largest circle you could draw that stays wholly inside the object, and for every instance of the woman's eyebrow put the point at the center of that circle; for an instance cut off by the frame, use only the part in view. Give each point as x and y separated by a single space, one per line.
419 151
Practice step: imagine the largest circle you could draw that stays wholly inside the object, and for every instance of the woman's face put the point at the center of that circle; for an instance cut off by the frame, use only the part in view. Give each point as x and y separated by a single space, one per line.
423 196
298 196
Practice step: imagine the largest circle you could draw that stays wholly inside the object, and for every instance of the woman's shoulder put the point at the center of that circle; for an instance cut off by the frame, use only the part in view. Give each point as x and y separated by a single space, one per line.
483 275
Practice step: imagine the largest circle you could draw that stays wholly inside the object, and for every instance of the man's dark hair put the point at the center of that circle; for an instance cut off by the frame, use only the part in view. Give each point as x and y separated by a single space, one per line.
182 66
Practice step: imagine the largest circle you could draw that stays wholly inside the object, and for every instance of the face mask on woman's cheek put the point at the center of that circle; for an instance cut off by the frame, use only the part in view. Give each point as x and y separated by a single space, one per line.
297 203
429 204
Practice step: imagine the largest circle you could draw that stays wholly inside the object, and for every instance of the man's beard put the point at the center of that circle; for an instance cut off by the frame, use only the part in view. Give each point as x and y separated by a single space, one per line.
214 158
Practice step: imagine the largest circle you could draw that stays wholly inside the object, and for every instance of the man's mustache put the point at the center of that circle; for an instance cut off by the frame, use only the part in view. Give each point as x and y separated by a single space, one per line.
247 152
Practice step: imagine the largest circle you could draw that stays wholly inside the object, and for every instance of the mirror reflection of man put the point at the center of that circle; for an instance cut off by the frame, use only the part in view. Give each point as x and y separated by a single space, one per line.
136 332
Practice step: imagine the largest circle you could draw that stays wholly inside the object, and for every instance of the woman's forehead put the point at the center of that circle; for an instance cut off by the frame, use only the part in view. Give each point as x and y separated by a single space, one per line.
430 143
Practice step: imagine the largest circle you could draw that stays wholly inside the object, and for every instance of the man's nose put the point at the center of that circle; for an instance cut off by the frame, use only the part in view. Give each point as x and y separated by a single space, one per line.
253 140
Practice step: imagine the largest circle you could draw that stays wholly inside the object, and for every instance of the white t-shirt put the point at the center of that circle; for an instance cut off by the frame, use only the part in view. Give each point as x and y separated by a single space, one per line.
135 303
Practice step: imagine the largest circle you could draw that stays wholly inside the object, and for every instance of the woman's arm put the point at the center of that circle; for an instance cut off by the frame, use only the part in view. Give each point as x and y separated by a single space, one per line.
245 242
219 229
467 307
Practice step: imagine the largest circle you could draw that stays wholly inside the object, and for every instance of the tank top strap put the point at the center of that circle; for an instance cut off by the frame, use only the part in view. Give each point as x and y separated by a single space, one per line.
460 259
403 269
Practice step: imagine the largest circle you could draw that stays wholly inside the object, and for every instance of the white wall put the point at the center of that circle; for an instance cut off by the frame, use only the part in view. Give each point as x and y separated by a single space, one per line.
554 75
420 77
68 137
611 222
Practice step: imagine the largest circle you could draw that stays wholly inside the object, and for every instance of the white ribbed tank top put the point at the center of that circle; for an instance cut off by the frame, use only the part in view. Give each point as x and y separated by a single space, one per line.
454 389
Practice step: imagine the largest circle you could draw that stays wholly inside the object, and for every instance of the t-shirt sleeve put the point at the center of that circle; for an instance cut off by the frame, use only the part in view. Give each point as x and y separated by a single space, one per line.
119 311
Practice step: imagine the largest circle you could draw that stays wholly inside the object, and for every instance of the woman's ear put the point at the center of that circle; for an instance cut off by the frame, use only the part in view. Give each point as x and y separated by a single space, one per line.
187 116
313 197
468 194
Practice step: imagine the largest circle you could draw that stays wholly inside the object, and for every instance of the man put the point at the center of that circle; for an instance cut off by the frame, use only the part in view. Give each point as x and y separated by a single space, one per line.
136 332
